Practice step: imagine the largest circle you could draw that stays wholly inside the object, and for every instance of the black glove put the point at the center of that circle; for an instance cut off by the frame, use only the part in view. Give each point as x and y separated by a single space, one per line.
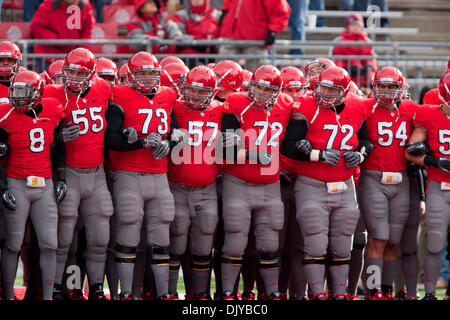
417 149
304 147
8 199
440 163
263 157
329 156
3 149
60 190
161 150
352 159
131 134
270 38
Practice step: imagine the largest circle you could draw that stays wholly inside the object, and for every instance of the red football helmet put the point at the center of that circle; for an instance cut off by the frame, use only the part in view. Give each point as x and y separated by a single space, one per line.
124 74
145 72
265 86
353 88
293 82
79 69
211 65
246 77
313 69
444 88
53 73
107 70
388 85
332 87
199 88
26 90
173 74
229 74
10 59
170 59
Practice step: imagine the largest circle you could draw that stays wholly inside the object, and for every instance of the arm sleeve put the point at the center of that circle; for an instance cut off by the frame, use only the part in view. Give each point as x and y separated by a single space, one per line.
229 122
114 139
173 125
3 138
58 157
363 137
421 182
295 131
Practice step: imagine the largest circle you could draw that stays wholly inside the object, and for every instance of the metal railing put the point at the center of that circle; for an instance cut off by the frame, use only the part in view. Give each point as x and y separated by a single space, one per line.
420 70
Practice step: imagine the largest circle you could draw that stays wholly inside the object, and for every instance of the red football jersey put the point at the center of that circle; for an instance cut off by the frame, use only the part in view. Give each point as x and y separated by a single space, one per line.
432 97
30 139
389 132
4 94
437 125
146 116
87 150
330 131
194 164
263 131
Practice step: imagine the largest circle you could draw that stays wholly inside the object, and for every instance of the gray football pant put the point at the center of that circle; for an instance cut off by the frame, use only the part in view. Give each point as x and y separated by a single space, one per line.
327 221
40 205
384 207
144 197
196 216
87 195
437 220
242 203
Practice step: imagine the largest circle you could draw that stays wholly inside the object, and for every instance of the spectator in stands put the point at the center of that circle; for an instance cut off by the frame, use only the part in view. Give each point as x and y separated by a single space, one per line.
52 21
297 21
99 8
152 21
29 8
252 20
198 21
361 71
361 5
318 5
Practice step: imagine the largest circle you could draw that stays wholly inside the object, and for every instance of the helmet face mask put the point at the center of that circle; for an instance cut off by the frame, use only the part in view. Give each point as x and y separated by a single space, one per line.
146 80
76 79
58 79
387 92
197 97
25 91
263 94
328 95
9 65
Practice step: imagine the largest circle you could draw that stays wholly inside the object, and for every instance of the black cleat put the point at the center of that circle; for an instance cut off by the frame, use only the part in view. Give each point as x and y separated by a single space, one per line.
429 296
96 292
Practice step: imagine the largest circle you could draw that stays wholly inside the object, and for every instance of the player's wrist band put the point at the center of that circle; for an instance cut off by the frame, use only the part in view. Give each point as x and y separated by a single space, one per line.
315 155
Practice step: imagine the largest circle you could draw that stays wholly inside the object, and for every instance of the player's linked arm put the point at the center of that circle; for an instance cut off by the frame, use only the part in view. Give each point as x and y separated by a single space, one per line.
295 132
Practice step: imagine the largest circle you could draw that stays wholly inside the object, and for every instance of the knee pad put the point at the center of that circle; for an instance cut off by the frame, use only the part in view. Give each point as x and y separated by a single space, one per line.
435 241
341 246
126 211
159 255
316 246
268 260
124 254
338 262
209 222
201 263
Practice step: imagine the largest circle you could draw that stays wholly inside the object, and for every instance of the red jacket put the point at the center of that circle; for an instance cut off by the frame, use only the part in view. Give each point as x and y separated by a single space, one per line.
200 23
158 26
250 20
51 21
354 51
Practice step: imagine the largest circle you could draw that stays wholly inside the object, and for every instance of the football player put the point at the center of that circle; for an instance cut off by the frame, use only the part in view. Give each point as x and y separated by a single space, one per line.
246 76
10 60
29 190
141 191
383 190
312 71
85 100
253 126
172 75
328 134
432 96
107 70
192 173
428 146
53 74
124 74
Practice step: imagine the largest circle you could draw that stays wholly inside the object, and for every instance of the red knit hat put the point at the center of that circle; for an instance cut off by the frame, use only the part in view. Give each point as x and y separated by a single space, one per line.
354 17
